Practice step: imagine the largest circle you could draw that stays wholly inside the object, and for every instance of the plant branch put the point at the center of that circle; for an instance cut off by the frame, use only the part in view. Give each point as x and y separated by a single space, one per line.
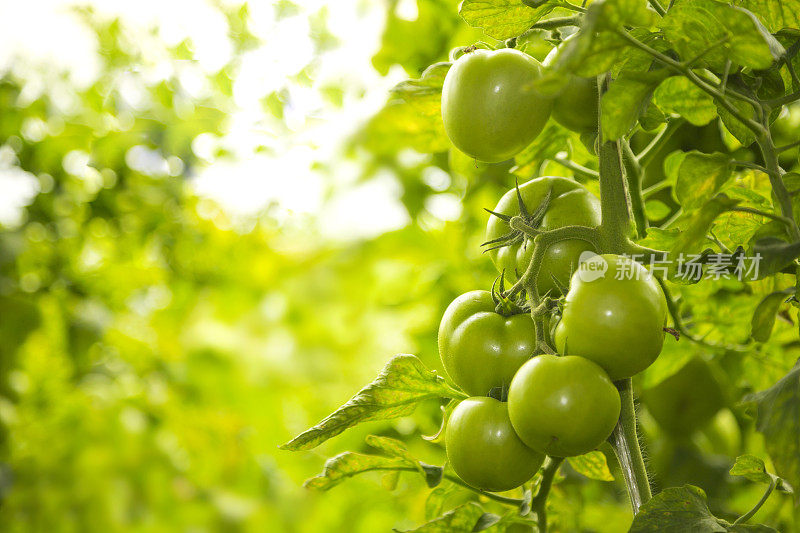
657 7
578 169
787 147
787 221
539 502
749 514
557 22
775 174
650 151
633 175
704 85
626 445
748 164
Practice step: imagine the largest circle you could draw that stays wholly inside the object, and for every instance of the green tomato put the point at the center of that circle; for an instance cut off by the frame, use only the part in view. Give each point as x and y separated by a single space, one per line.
484 450
482 349
563 405
617 323
489 108
687 400
575 107
570 204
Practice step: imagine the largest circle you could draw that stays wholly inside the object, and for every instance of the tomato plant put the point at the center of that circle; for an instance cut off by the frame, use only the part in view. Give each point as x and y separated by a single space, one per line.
489 108
483 448
563 406
565 203
674 230
480 348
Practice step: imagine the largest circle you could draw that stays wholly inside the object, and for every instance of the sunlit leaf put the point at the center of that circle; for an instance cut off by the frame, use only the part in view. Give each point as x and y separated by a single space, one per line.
700 177
592 465
396 392
679 95
502 19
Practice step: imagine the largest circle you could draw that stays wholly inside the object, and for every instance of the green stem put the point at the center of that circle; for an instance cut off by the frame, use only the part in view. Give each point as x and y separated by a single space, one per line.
658 7
578 169
775 174
557 22
652 149
626 445
633 173
749 514
539 503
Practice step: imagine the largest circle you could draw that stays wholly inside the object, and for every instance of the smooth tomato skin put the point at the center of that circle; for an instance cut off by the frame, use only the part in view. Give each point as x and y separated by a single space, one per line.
570 204
575 107
687 400
489 109
483 448
563 406
481 349
617 323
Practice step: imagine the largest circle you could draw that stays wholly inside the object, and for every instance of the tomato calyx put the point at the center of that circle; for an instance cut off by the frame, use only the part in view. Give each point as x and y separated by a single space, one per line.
504 305
529 221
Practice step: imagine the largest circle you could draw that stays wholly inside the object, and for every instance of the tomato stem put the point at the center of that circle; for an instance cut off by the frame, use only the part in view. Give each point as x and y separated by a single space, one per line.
539 503
625 442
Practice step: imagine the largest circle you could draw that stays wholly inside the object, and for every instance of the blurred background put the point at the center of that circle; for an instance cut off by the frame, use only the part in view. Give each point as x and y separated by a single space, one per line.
217 223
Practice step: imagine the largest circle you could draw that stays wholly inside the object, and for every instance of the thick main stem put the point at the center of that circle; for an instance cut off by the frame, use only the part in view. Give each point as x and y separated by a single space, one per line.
626 445
633 174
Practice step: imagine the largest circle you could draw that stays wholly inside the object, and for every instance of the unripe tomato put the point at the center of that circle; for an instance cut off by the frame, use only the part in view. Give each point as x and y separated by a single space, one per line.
687 400
482 349
489 108
484 450
570 204
563 405
575 107
617 323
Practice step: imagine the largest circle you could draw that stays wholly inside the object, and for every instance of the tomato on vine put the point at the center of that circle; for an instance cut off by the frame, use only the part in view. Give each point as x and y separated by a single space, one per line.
480 348
563 405
483 448
567 203
489 109
614 315
575 107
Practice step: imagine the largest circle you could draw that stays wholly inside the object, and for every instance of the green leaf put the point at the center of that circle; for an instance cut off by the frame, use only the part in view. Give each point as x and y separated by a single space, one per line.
462 519
739 130
775 254
778 419
393 448
694 234
592 465
626 99
721 31
775 14
434 504
348 464
765 314
753 469
700 177
502 19
679 95
677 509
546 145
413 117
396 392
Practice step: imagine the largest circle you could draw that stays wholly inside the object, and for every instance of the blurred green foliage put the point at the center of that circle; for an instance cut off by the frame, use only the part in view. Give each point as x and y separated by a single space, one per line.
153 354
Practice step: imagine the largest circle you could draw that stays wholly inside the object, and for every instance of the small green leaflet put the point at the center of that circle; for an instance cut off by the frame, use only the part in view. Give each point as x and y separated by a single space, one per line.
700 176
462 519
502 19
679 95
776 14
396 392
592 465
680 509
765 313
753 469
778 419
626 99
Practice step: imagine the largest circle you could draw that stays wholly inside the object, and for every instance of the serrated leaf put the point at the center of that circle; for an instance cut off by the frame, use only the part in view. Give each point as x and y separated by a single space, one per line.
625 100
393 448
677 509
775 14
778 419
502 19
592 465
462 519
765 314
679 95
722 31
700 176
396 392
348 464
739 130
